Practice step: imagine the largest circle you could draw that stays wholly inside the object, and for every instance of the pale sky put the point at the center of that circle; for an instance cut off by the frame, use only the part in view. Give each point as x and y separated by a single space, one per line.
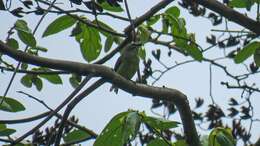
96 110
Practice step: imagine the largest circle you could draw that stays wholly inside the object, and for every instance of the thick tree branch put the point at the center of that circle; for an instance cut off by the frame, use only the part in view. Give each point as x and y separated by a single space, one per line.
171 95
231 14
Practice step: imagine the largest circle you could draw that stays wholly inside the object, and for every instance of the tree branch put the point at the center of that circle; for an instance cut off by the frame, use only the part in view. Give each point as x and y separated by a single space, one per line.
171 95
231 14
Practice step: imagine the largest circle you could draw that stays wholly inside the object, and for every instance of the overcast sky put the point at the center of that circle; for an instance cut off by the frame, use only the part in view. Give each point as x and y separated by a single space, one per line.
97 109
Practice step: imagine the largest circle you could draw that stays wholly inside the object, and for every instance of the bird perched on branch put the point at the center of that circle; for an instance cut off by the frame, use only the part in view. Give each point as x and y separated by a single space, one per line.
128 63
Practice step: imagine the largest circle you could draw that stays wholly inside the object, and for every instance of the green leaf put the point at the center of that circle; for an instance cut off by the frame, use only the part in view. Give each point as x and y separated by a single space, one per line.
54 78
38 83
165 26
2 6
90 43
26 80
158 142
221 136
142 53
144 33
192 49
2 127
152 20
24 33
160 124
246 52
11 105
241 3
223 140
131 125
12 43
22 26
108 44
257 57
116 131
173 11
27 38
59 25
76 135
7 132
204 140
180 143
75 80
107 6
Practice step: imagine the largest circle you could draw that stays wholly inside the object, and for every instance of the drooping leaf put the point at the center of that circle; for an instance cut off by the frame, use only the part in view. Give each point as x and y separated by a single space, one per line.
108 44
90 43
59 25
12 43
144 33
142 53
257 56
246 52
26 80
11 105
116 131
38 83
76 135
159 124
158 142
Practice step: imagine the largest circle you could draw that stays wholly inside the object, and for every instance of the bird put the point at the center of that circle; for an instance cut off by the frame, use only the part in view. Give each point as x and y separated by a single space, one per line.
128 63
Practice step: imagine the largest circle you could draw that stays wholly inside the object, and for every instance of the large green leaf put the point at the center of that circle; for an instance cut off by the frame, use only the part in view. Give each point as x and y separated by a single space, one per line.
159 123
158 142
173 11
90 42
246 52
117 132
221 137
76 135
11 105
59 25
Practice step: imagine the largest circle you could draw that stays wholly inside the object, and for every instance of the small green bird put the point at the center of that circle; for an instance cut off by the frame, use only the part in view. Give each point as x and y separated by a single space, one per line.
128 63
